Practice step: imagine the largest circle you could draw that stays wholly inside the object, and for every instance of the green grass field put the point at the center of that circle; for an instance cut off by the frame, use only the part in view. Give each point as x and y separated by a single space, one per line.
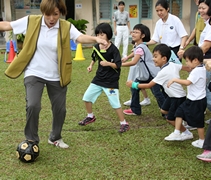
97 151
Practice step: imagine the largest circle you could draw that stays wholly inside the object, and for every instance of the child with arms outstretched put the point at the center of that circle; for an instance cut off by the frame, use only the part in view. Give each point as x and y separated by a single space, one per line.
107 77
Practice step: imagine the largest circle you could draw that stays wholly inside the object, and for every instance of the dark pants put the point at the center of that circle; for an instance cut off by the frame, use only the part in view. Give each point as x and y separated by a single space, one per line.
156 91
207 141
34 88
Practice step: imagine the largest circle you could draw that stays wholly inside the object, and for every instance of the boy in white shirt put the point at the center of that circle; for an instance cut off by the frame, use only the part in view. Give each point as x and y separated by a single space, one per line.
192 110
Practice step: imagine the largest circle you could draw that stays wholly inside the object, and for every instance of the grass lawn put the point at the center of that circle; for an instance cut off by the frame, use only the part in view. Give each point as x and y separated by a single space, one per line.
97 151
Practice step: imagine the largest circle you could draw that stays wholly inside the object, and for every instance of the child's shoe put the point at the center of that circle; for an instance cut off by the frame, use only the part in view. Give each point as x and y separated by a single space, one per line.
129 112
173 137
127 103
205 156
145 102
124 128
198 144
87 120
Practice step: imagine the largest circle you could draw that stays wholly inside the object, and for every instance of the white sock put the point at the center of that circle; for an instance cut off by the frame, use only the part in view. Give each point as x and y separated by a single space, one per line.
123 122
90 115
176 131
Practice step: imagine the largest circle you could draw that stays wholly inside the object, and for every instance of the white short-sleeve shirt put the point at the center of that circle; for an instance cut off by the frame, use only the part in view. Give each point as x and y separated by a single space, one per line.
205 34
170 32
168 72
44 63
197 90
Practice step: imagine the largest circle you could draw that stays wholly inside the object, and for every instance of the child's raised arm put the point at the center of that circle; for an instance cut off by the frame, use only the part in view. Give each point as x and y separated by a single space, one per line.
133 62
179 81
128 57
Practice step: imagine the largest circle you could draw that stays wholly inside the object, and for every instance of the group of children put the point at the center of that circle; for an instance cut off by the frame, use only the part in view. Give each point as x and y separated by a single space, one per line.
176 106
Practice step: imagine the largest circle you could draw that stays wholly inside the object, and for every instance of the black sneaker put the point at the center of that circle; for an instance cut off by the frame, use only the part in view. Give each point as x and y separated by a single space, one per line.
87 120
124 128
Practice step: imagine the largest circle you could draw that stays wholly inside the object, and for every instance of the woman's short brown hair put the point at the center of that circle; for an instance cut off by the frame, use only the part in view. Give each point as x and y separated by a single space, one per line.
47 7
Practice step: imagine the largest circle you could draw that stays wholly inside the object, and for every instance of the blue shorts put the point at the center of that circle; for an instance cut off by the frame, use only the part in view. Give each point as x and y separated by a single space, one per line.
93 91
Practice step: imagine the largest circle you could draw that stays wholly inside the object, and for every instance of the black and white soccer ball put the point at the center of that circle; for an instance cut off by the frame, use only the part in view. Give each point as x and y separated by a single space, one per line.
27 151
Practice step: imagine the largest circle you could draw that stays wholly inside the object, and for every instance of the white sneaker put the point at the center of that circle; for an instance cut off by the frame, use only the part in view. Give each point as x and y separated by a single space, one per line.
190 127
197 144
59 143
173 137
208 121
127 103
186 136
145 102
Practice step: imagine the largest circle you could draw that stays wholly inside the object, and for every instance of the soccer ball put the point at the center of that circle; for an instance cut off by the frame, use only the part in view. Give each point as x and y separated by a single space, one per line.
27 151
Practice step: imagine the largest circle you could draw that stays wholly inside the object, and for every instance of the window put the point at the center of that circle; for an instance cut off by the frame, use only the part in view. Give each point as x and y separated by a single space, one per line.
105 9
176 7
27 4
146 9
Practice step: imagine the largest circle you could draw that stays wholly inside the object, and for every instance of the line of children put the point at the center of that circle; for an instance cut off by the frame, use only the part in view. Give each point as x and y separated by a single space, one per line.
176 93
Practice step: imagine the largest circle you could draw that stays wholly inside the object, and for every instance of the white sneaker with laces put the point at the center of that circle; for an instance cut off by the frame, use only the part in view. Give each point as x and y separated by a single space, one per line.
173 137
59 143
197 144
208 121
186 136
190 127
127 103
145 102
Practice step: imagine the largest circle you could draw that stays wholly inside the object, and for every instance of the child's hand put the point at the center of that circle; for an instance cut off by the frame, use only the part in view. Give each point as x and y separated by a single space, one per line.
208 65
89 69
129 83
104 63
124 59
170 82
180 53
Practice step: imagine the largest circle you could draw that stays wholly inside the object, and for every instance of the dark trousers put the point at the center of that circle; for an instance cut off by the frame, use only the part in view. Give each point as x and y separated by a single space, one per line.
135 101
34 89
207 141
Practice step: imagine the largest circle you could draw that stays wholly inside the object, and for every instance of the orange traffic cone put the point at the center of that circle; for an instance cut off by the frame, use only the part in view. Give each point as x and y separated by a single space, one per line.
11 53
79 53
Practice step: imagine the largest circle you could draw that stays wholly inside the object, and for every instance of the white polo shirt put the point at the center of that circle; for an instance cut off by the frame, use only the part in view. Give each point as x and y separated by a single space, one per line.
44 63
196 90
205 34
170 32
168 72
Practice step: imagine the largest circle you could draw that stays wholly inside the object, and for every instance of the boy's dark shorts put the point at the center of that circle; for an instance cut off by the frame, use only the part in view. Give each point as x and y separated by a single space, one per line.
193 112
171 104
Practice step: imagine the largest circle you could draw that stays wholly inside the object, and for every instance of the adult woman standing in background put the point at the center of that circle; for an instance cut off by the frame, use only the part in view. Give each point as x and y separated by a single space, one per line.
169 29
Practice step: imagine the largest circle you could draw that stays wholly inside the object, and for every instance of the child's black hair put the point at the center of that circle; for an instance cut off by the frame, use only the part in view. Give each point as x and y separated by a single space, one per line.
163 50
104 28
163 3
144 30
194 52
